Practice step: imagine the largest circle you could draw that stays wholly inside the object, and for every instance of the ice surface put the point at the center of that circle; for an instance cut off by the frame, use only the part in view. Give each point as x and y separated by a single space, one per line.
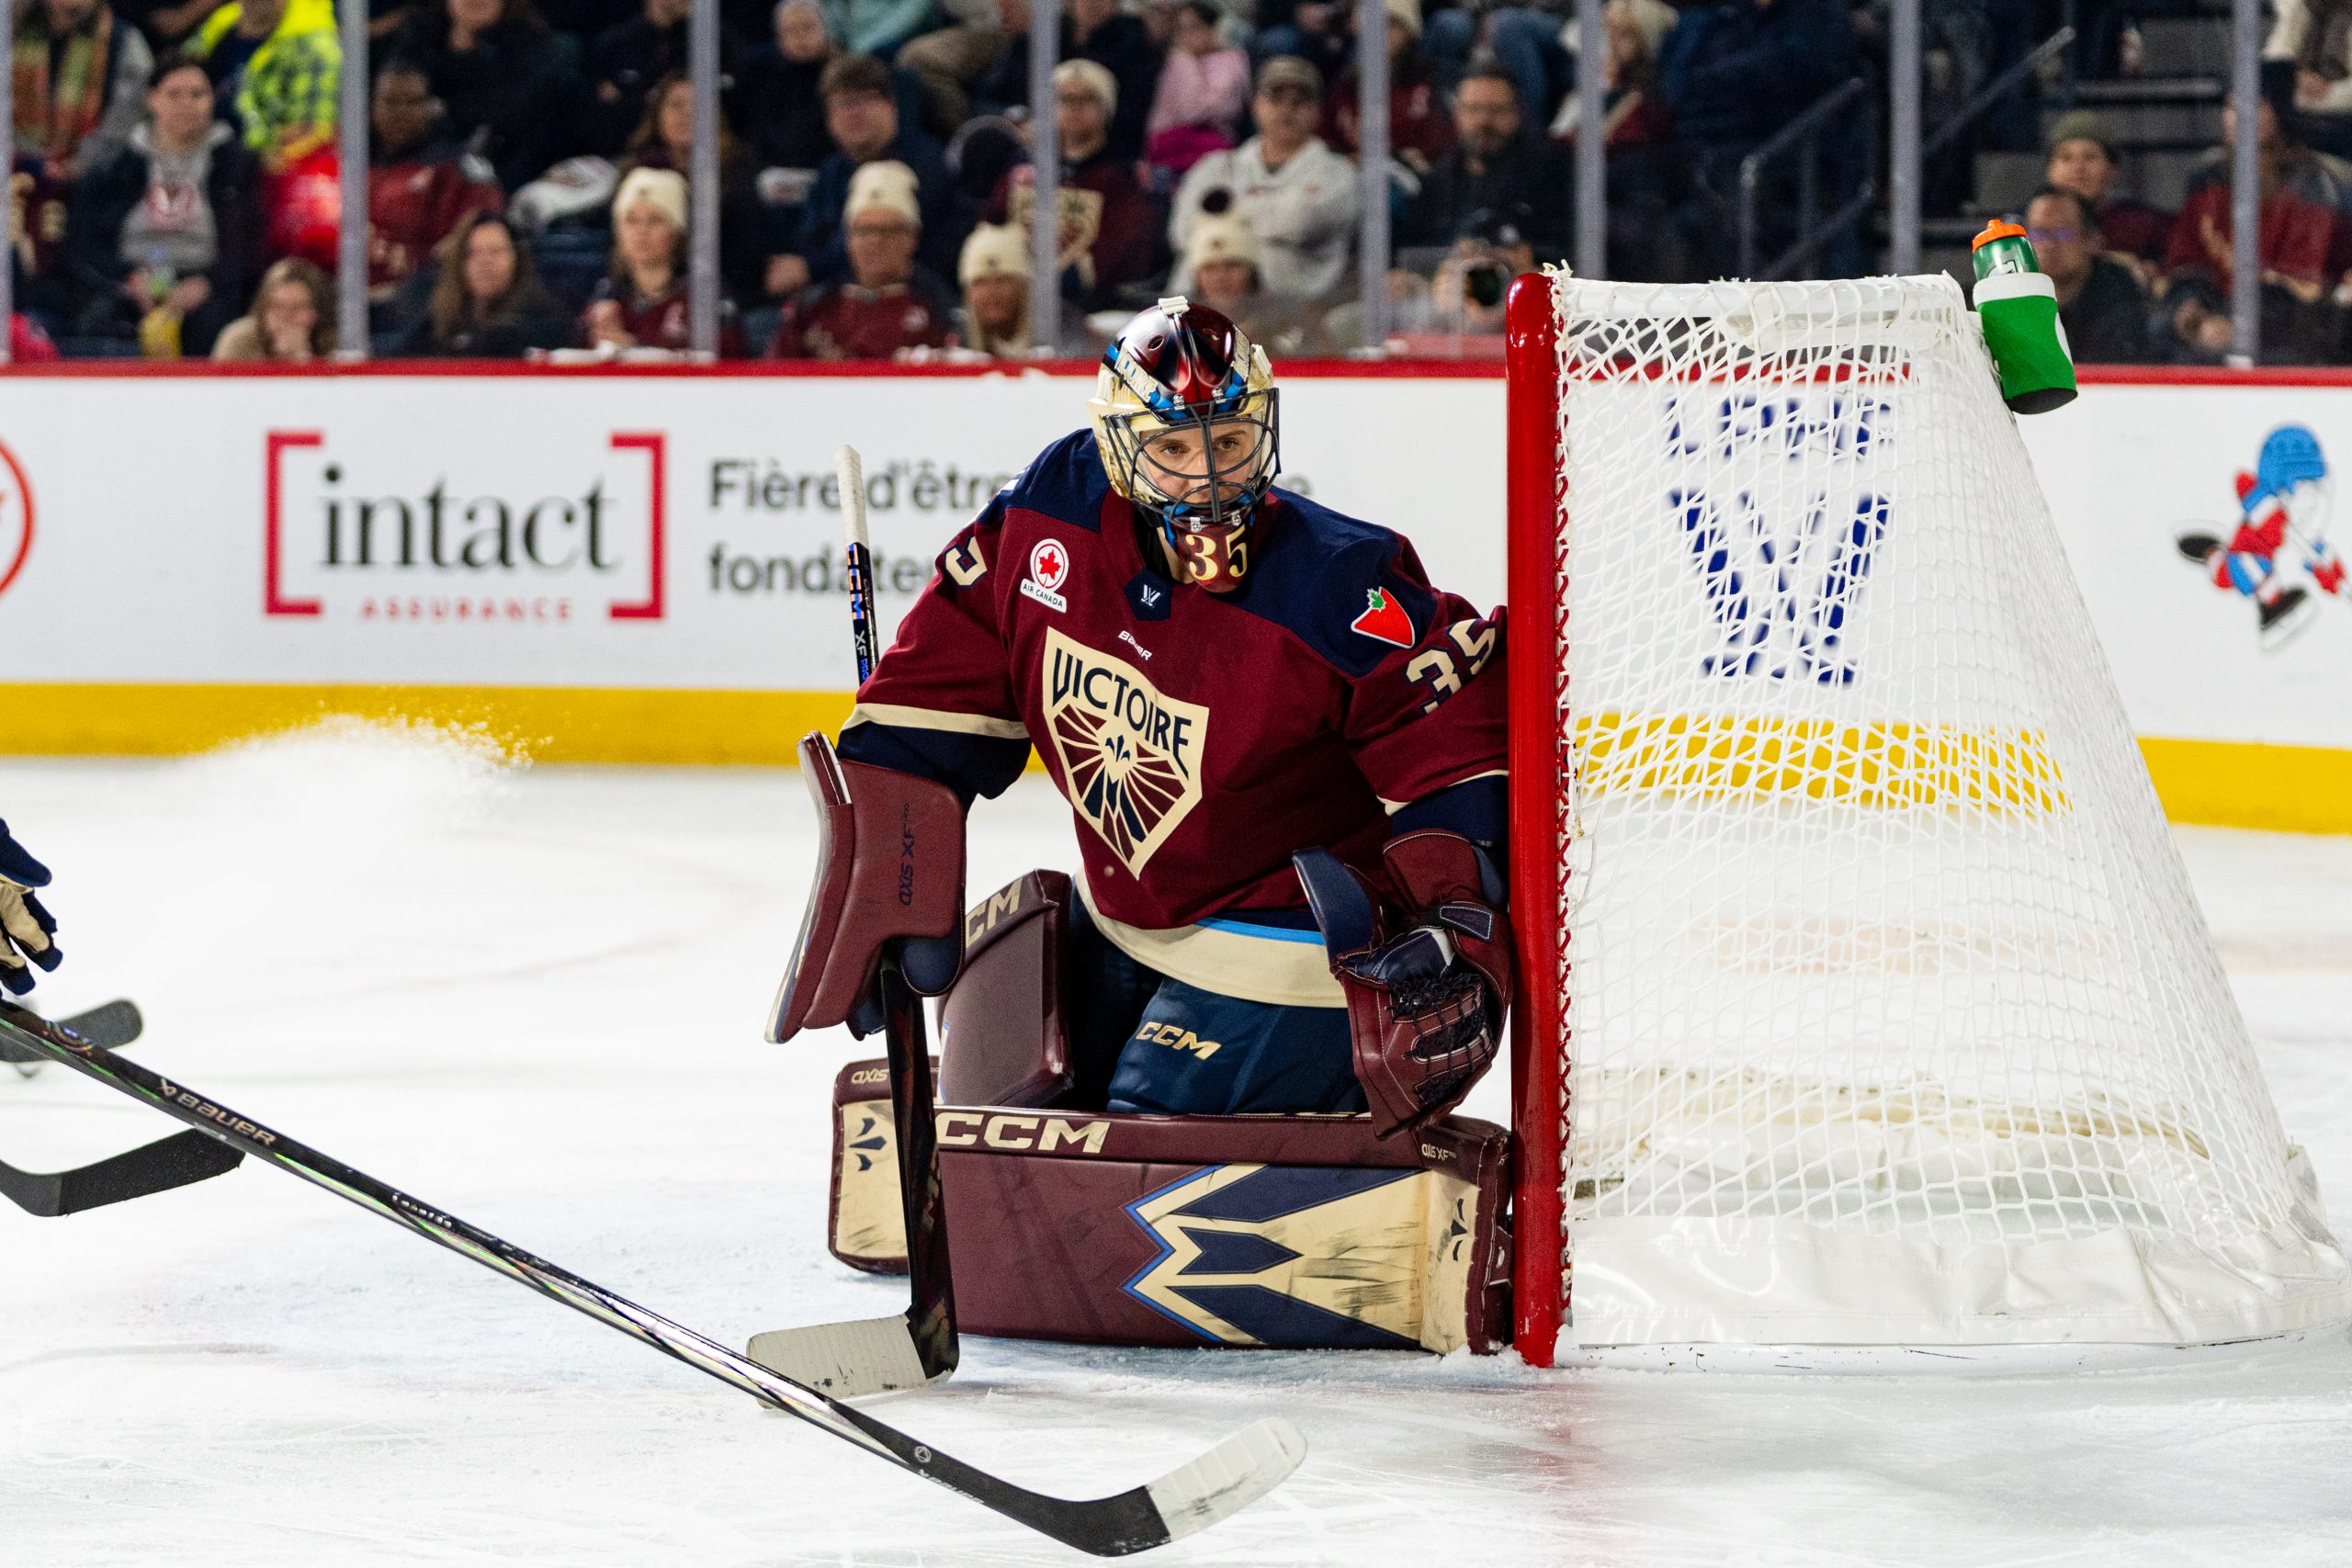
536 997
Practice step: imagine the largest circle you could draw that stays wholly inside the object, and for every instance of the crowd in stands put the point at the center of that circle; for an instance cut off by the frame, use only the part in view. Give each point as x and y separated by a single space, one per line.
175 181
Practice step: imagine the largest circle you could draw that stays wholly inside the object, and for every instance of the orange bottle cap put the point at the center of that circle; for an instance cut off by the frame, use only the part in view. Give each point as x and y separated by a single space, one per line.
1996 228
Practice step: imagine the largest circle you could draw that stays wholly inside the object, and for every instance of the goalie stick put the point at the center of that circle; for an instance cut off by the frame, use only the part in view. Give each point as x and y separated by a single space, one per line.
1230 1476
175 1161
876 1354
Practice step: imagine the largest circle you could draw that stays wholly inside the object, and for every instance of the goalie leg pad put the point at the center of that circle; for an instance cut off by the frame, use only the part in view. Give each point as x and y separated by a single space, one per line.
889 868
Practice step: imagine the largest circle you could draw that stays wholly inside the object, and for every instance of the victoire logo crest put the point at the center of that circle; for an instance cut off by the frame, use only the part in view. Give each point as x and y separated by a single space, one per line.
530 533
1131 758
16 517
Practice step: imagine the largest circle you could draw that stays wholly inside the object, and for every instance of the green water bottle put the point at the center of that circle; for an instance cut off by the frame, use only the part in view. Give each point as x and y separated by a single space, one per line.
2018 307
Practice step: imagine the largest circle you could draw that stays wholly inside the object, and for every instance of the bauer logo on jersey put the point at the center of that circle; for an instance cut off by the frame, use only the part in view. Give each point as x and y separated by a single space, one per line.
1048 570
1130 757
1384 619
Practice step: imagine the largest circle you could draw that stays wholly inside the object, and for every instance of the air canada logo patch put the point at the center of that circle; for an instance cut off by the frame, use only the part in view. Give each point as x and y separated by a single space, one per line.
1130 757
1383 620
1048 570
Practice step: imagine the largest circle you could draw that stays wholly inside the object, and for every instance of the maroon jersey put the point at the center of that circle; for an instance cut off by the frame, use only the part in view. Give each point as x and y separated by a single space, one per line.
411 207
1201 738
841 320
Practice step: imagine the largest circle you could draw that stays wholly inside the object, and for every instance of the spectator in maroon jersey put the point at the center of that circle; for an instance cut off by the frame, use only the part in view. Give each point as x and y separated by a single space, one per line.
643 303
887 304
2294 241
2082 160
1419 130
486 302
292 320
1109 230
419 187
1642 174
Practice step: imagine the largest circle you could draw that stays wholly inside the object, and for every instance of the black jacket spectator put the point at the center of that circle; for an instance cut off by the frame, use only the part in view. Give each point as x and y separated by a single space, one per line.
624 62
2107 323
105 200
1527 173
780 110
504 93
1734 73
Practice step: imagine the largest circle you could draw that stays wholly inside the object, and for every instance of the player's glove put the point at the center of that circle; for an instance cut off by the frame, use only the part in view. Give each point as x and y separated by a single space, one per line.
1426 970
26 933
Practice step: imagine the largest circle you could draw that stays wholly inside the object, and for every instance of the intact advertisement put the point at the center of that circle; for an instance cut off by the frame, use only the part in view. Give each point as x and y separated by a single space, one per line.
664 539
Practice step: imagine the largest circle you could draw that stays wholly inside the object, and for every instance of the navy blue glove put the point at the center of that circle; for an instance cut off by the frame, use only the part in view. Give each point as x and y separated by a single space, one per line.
26 933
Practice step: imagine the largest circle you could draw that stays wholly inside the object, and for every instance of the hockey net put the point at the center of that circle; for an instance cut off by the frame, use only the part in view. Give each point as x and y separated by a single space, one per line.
1866 1000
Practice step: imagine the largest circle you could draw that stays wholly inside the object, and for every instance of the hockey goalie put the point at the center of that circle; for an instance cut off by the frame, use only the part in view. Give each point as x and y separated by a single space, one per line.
1173 1082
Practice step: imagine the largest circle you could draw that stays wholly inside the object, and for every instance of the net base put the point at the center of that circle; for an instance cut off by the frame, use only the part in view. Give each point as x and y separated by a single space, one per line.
1933 1361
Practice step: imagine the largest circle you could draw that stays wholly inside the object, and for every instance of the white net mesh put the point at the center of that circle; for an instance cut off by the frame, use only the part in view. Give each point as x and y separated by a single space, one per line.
1891 1015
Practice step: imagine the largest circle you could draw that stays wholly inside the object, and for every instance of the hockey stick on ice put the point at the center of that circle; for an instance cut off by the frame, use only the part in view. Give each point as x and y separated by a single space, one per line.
113 1024
874 1355
175 1161
1230 1477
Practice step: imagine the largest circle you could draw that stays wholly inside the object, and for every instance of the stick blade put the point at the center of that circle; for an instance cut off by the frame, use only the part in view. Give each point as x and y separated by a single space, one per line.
180 1160
1230 1477
845 1361
113 1025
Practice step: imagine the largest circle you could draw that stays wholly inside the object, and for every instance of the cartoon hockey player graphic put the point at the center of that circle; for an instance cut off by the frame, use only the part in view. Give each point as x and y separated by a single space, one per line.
2277 555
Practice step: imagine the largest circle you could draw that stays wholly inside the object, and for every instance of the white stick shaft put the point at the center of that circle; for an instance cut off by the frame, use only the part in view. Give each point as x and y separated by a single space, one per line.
850 470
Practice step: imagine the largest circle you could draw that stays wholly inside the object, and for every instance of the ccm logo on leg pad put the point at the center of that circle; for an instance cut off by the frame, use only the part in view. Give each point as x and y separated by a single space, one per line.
974 1129
1179 1038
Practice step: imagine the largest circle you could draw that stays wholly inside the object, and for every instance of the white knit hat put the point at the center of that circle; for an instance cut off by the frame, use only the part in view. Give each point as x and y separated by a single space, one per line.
664 191
1221 237
886 184
994 250
1093 76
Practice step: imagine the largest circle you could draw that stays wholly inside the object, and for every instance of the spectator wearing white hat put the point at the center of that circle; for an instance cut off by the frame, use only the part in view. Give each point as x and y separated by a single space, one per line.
994 271
1108 229
886 304
1222 259
1297 196
642 303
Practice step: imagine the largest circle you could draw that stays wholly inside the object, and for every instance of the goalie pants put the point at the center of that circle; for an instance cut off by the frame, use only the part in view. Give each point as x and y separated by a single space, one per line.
1146 1041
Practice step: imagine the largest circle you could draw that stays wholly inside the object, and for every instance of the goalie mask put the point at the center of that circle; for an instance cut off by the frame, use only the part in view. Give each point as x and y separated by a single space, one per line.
1183 412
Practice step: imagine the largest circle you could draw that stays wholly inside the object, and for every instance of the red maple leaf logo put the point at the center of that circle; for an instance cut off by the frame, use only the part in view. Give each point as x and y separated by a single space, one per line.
1383 620
1048 565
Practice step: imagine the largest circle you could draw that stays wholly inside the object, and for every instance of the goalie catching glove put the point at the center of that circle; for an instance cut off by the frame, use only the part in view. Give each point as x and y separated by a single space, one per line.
1426 973
890 870
26 933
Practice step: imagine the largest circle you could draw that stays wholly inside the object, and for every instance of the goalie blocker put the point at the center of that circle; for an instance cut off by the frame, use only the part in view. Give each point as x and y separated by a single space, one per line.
1105 1228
